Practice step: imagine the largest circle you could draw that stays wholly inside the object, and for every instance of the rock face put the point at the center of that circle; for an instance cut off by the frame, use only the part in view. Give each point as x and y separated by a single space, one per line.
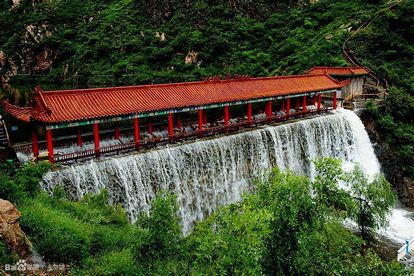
389 163
10 231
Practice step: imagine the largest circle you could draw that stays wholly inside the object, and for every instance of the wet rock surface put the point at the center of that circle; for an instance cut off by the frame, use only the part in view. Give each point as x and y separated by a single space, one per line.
389 162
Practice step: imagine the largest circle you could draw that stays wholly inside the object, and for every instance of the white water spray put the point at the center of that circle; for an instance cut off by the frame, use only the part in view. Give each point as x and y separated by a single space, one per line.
209 173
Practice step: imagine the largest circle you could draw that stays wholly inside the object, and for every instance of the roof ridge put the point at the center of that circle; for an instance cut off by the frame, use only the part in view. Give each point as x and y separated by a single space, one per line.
336 67
143 86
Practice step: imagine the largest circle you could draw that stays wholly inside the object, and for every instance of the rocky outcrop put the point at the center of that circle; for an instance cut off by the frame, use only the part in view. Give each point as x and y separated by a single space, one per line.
403 185
192 58
10 231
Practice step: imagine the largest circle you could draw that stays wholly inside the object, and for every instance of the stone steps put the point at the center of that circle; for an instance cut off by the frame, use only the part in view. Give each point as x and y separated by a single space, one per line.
4 140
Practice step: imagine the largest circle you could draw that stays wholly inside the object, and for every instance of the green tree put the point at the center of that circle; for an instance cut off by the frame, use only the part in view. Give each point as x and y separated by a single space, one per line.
231 241
158 233
294 213
326 186
373 201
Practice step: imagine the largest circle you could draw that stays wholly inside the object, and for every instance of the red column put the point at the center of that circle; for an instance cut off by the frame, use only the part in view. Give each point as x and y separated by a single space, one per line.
287 106
35 142
319 101
226 115
179 123
79 138
49 139
297 103
170 125
117 133
304 107
314 100
150 127
269 109
96 138
249 113
200 119
334 100
205 117
283 106
136 133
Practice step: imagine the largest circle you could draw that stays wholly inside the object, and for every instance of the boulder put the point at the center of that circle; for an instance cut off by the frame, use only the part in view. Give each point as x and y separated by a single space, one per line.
10 231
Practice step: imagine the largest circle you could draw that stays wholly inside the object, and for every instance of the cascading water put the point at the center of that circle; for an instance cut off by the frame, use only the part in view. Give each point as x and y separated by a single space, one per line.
209 173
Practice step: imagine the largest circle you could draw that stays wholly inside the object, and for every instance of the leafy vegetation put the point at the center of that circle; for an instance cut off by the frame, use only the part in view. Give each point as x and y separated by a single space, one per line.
116 42
102 43
281 228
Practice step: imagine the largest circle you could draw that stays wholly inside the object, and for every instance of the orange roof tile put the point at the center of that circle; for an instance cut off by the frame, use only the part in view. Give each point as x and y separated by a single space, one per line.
338 71
53 107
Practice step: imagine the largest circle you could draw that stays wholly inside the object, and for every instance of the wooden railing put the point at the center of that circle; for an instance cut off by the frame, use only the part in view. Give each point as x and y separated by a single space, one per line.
151 142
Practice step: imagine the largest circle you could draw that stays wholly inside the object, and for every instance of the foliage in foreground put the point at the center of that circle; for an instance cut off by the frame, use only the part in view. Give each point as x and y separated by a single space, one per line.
281 228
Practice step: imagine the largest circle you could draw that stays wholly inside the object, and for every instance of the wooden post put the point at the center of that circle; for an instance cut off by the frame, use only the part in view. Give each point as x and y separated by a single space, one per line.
117 133
334 100
304 107
200 119
79 138
297 103
249 113
226 115
49 139
314 100
96 138
170 125
136 133
35 142
283 106
319 101
287 107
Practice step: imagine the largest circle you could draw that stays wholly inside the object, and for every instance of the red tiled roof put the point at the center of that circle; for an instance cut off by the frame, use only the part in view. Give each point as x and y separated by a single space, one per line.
21 113
338 71
53 107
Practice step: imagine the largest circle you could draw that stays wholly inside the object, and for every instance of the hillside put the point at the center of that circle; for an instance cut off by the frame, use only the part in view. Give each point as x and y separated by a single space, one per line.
123 42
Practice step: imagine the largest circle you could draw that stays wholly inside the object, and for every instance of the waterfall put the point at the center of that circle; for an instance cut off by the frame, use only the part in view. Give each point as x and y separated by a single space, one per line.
206 174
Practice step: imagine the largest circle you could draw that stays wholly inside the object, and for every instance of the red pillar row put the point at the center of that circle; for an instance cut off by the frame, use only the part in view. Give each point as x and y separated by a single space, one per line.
96 138
35 143
226 115
136 133
170 125
249 113
304 107
200 119
79 138
49 139
334 100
